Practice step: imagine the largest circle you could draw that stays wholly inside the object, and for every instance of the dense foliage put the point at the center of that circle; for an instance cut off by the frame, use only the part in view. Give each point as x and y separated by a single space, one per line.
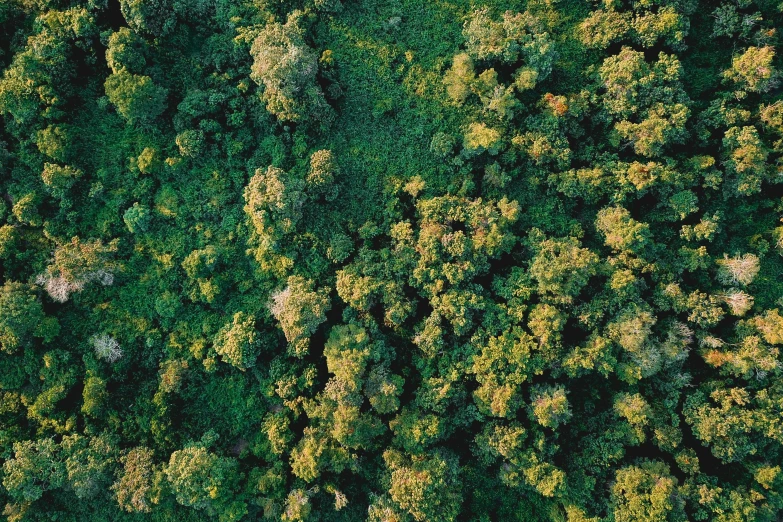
391 260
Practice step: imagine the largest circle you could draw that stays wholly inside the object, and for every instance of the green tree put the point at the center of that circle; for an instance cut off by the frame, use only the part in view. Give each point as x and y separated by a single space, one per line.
21 317
603 27
125 50
274 201
151 17
517 35
88 463
746 158
137 218
36 467
136 97
631 84
202 480
621 232
550 406
459 78
324 170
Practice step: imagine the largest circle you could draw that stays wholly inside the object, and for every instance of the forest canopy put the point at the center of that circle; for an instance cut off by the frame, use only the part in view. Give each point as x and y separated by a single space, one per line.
391 260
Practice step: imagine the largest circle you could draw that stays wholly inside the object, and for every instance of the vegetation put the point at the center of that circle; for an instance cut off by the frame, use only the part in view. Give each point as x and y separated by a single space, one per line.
391 260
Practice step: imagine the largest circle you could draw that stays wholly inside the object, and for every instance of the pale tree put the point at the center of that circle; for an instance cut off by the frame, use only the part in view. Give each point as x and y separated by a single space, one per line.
76 264
646 493
238 341
322 173
274 200
753 70
106 347
287 69
134 486
739 302
550 406
738 270
300 309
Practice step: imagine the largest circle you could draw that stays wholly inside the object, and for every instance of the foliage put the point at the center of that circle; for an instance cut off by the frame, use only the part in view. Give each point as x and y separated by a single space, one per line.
391 261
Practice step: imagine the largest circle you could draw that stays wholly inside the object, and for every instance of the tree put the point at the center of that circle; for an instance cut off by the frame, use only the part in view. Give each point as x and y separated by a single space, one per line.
550 406
106 347
622 232
646 493
631 84
297 506
286 68
738 301
21 317
503 365
125 50
324 169
76 264
38 83
725 422
479 137
426 488
135 97
201 479
190 142
134 486
635 410
149 17
237 342
753 70
729 22
561 268
663 125
459 78
632 330
747 158
603 27
88 461
59 179
36 467
666 24
300 309
94 395
347 353
137 218
383 390
770 325
738 270
517 35
274 201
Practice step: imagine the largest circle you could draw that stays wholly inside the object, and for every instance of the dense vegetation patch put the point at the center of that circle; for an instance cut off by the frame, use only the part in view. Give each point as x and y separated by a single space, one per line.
391 260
